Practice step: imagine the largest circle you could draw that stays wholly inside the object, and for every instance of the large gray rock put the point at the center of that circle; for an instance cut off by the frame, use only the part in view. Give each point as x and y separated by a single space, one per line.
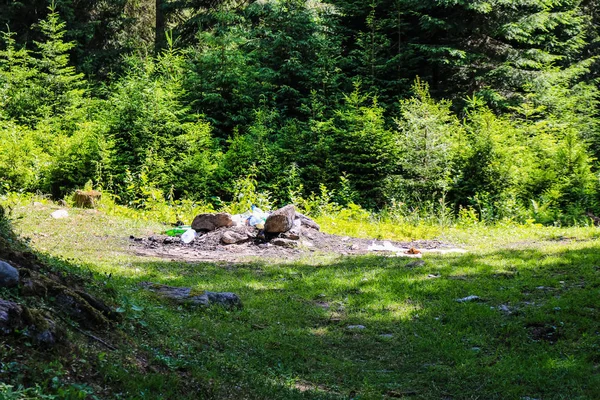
210 222
10 316
281 220
185 295
231 237
9 275
40 328
225 299
307 222
295 232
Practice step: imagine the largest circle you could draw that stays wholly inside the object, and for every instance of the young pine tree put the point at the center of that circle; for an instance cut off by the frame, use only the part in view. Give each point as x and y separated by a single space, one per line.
426 139
63 87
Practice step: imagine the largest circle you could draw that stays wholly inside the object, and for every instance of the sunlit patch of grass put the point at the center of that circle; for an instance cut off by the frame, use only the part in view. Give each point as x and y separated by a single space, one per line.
377 229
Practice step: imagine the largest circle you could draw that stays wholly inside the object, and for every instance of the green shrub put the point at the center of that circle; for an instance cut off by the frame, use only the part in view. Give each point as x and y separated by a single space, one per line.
426 145
151 130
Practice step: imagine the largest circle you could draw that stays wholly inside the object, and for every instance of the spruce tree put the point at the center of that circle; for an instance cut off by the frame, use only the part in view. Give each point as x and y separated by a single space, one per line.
63 87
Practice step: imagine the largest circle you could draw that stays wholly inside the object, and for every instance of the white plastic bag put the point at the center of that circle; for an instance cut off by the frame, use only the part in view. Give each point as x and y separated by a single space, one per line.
60 214
188 236
258 218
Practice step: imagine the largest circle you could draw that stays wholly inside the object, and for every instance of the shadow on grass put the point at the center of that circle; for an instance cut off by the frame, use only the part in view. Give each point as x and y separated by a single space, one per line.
371 327
358 327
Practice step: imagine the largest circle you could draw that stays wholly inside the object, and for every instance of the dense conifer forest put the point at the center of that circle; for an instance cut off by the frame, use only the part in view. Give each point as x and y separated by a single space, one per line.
486 108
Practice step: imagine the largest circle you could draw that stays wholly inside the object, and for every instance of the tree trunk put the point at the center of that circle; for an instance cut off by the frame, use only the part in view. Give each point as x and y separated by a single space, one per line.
159 39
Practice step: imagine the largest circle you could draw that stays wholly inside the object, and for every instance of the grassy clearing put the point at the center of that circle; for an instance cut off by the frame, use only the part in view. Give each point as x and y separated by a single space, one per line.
534 332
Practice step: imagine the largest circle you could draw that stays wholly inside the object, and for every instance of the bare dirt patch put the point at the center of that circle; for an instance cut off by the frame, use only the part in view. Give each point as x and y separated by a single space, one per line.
209 247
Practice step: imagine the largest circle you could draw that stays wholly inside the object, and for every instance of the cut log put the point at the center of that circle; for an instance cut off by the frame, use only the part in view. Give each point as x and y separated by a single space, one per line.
86 199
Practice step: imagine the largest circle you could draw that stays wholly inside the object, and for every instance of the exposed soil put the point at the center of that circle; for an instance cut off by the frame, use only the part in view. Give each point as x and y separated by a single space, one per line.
208 247
545 332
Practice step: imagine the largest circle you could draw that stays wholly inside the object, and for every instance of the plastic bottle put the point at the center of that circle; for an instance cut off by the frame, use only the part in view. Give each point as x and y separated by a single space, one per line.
258 218
179 230
188 236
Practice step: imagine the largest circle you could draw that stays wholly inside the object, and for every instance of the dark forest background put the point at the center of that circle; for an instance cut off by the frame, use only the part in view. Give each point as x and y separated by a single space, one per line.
487 107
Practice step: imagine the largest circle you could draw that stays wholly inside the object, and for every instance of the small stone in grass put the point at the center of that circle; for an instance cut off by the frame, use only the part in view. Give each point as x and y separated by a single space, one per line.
59 214
468 298
356 327
386 335
504 308
415 264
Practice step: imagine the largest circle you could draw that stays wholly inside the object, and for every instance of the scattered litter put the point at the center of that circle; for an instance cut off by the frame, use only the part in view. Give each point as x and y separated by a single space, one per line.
178 230
59 214
257 218
468 298
356 327
188 236
412 251
433 276
386 246
240 219
286 233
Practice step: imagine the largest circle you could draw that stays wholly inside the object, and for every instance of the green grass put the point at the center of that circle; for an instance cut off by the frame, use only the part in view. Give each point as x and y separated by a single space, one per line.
291 339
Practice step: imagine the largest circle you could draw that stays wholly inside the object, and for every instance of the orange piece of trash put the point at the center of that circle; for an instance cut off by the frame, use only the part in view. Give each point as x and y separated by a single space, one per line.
412 250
